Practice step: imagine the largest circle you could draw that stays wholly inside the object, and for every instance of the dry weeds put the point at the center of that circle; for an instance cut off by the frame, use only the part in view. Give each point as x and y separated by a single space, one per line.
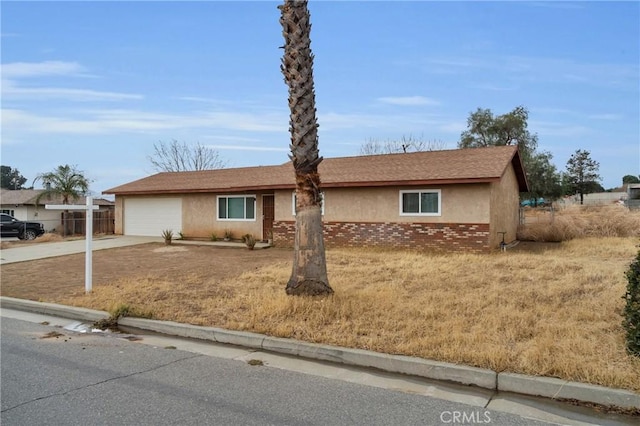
579 222
553 313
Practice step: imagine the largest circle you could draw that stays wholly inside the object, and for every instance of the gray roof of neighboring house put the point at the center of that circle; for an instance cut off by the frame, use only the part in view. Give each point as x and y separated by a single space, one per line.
473 165
22 197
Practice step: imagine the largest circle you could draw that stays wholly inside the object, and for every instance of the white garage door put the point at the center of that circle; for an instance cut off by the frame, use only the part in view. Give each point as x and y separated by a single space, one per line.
151 216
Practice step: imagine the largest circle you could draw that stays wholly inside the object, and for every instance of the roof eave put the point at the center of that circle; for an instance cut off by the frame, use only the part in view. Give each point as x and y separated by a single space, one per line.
200 190
421 182
366 184
518 168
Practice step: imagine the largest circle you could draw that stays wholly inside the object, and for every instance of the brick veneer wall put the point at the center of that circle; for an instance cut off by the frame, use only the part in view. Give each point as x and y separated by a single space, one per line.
442 236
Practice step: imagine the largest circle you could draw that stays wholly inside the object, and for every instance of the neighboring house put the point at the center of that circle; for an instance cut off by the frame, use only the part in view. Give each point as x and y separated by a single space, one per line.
21 204
594 199
633 196
454 199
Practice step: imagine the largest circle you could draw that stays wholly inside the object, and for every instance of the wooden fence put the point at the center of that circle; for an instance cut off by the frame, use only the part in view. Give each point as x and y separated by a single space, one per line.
103 222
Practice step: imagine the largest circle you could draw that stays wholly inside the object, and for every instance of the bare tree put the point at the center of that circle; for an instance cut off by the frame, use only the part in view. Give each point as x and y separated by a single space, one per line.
181 157
405 144
309 273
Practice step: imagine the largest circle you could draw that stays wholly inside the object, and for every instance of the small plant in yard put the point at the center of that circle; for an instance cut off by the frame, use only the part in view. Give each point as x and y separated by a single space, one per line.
167 234
249 241
631 322
180 236
213 237
120 311
227 234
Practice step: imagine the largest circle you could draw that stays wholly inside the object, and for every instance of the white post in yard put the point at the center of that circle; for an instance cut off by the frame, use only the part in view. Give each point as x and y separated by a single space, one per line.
88 258
88 263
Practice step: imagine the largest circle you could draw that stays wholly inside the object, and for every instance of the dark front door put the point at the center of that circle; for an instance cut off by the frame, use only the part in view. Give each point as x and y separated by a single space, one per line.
268 213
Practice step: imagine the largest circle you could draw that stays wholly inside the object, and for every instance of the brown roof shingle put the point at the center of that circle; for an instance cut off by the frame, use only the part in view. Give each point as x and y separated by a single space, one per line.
419 168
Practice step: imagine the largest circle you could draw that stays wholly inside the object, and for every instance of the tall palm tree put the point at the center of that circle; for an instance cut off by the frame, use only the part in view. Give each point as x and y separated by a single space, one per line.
309 274
66 182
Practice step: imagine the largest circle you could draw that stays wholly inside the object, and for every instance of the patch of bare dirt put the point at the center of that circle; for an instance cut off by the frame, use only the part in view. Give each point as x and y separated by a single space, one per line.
57 278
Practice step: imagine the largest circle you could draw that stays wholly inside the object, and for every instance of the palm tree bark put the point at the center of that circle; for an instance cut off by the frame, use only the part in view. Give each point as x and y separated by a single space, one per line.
309 274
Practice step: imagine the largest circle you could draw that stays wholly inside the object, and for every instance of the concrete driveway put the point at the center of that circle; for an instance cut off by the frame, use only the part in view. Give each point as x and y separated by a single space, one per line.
35 251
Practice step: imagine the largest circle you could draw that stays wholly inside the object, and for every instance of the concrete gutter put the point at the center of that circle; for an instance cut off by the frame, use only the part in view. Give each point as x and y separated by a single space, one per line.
502 382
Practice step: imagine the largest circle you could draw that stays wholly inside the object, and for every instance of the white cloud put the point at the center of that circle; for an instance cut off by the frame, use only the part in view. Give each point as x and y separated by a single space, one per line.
332 121
408 100
10 91
12 73
32 69
118 121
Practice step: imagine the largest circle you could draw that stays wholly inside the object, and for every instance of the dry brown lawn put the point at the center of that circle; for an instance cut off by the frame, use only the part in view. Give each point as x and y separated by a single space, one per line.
554 311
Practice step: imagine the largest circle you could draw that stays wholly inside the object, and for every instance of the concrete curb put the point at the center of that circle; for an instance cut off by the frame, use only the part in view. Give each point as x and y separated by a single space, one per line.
503 382
80 314
553 388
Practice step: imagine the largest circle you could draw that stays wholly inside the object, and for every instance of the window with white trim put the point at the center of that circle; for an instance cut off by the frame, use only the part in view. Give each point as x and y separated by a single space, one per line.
237 207
422 202
293 203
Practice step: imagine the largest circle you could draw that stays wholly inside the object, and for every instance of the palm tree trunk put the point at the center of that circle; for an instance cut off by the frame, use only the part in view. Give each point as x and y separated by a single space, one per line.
309 274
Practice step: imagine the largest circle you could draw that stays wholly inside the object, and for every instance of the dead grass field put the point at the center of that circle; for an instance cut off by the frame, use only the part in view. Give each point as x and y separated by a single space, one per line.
580 221
553 311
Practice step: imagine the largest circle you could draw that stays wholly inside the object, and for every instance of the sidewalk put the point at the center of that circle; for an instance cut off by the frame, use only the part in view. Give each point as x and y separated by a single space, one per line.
34 251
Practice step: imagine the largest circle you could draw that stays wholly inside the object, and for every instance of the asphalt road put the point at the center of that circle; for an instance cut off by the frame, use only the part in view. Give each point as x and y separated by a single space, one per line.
92 379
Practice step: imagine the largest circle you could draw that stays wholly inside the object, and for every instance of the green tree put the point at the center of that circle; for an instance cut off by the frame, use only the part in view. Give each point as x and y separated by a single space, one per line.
309 274
630 179
485 129
544 179
11 178
66 182
582 173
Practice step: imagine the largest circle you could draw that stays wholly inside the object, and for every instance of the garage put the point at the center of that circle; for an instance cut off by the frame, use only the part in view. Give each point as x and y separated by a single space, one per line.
150 216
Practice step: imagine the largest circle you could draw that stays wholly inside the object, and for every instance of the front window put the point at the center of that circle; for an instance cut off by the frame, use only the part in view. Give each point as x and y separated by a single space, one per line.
237 207
425 202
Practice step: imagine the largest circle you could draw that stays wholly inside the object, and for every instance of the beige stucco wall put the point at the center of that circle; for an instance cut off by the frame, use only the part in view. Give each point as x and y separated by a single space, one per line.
119 219
199 217
505 203
468 203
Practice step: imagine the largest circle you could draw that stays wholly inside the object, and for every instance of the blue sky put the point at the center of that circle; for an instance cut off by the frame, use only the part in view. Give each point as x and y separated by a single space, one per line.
96 84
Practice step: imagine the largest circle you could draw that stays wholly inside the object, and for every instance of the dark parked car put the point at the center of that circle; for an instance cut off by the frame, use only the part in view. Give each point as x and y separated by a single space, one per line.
12 227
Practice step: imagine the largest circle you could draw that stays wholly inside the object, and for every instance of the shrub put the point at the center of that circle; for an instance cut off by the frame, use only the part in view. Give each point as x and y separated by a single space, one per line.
227 234
180 236
580 222
249 240
631 322
167 234
213 237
